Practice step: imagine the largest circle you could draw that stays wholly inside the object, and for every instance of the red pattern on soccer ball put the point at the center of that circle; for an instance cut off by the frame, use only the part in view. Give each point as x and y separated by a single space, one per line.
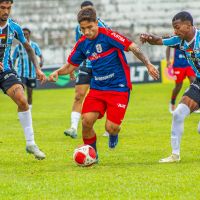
84 156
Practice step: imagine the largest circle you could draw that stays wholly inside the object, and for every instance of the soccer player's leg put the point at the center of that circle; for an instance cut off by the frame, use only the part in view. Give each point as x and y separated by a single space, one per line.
93 109
81 88
14 89
117 103
189 102
180 76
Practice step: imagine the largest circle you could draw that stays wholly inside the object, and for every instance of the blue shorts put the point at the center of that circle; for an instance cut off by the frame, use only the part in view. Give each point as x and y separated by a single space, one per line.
8 79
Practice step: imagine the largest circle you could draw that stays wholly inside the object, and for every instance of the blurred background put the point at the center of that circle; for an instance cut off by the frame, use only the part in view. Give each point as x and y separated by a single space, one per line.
53 22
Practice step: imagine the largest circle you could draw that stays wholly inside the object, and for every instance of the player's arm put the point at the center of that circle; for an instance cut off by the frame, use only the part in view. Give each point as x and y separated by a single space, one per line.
151 39
168 49
40 75
139 54
1 66
65 69
41 61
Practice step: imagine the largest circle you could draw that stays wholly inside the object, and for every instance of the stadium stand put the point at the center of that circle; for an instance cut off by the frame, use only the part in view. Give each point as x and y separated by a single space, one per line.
53 21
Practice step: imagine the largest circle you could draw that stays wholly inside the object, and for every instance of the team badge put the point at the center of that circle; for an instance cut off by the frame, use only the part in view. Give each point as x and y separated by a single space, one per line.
99 48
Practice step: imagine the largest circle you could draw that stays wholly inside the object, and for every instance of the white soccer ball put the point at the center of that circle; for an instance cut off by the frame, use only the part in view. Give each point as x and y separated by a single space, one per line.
84 155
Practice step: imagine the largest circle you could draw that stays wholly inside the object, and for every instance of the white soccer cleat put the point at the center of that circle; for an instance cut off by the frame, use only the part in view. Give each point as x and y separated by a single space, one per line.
106 134
197 111
171 108
71 132
170 159
33 149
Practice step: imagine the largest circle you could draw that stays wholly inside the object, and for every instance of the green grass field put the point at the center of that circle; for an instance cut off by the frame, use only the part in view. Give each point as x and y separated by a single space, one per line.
131 171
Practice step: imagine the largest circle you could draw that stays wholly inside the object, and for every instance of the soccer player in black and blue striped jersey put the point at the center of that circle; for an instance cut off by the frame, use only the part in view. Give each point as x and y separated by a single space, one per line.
10 83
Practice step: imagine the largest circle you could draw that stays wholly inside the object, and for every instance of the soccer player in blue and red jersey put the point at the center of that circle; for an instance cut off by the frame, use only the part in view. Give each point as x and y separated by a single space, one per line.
110 84
10 83
186 39
82 82
181 70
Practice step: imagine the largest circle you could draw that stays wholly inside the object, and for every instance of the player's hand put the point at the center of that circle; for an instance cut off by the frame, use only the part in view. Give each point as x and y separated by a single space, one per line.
153 72
41 76
1 66
145 37
72 76
53 77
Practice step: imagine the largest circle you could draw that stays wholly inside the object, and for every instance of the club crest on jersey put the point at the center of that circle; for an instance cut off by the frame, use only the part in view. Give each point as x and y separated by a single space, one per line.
99 48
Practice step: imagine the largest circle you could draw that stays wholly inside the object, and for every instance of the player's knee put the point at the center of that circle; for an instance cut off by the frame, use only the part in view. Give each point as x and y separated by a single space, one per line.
22 104
112 129
87 123
180 113
79 97
198 127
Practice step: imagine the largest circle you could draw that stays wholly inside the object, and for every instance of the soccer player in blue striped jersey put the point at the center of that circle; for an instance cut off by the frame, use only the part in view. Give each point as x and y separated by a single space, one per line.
82 81
25 68
10 83
110 84
186 39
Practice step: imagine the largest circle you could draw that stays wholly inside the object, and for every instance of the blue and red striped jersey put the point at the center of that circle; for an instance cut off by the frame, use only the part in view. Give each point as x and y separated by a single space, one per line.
110 70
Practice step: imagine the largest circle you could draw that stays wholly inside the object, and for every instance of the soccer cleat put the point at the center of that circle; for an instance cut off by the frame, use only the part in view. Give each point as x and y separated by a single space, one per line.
113 140
106 134
170 159
197 111
71 132
171 108
33 149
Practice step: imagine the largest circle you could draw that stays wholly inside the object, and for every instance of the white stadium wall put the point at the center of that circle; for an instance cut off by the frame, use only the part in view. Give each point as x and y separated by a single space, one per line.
53 21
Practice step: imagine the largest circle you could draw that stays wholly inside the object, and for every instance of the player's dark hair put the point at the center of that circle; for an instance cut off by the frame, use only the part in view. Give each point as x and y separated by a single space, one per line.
86 3
11 1
87 14
183 16
27 29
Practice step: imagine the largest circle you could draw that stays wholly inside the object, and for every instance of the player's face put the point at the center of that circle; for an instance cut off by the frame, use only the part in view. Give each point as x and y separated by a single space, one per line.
5 8
89 29
181 29
26 34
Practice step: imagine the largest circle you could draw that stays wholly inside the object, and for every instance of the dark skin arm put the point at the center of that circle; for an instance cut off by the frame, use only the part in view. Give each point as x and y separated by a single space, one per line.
151 39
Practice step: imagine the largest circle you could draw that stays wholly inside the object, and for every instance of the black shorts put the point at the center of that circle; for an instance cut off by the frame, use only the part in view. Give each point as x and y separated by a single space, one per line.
84 76
194 91
8 79
29 82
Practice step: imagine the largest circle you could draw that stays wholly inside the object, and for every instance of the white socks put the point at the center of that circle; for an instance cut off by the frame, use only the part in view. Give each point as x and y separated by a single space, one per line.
30 107
179 115
75 117
26 122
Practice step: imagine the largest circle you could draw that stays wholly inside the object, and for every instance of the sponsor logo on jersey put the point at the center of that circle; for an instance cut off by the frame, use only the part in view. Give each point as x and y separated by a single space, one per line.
119 37
120 105
102 78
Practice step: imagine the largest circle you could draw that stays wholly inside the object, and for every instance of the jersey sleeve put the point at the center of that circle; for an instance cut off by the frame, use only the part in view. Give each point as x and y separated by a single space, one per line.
19 35
101 23
173 41
76 56
78 33
118 40
37 50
